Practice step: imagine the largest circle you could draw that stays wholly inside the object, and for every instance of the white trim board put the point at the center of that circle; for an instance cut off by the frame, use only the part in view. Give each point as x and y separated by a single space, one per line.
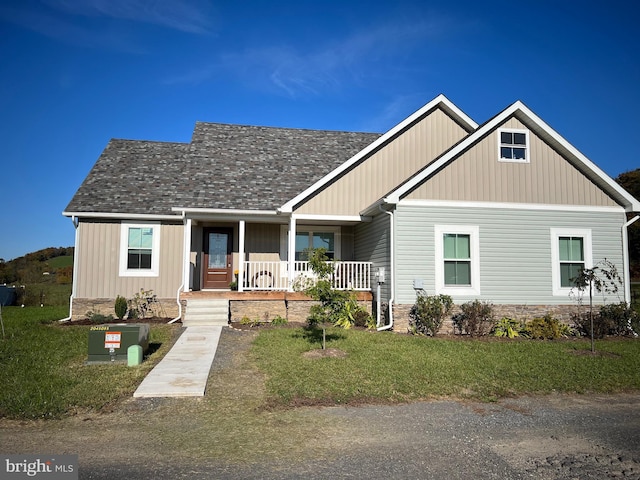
513 206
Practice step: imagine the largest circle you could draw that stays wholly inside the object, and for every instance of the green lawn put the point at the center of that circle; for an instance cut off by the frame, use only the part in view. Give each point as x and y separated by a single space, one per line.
42 370
59 262
383 367
43 375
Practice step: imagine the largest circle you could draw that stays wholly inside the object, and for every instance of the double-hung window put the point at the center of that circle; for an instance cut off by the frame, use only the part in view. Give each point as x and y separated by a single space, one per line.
139 249
457 259
513 145
571 253
326 238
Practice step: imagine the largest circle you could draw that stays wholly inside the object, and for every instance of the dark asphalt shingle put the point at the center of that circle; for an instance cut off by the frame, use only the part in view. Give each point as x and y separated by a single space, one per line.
224 166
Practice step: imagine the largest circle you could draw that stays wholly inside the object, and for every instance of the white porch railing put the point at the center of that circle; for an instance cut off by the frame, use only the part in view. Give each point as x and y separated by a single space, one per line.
275 275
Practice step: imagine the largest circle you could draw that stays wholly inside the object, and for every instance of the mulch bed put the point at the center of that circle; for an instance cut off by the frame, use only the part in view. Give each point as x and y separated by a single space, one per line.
264 325
86 321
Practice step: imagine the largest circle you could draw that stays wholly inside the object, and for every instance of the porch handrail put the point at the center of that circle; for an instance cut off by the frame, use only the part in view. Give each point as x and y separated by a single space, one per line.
274 275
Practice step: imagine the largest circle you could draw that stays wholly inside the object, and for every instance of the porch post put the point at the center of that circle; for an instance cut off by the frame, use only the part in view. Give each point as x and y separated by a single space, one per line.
291 254
186 262
241 228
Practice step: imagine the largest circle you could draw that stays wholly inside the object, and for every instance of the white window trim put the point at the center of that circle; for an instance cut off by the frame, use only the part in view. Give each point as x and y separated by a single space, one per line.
527 149
155 250
556 233
474 236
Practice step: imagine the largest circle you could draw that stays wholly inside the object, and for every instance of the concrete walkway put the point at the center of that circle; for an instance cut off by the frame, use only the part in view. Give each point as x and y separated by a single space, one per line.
184 370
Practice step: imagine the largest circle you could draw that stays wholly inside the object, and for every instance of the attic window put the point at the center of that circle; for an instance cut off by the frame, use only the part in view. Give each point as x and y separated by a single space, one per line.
513 145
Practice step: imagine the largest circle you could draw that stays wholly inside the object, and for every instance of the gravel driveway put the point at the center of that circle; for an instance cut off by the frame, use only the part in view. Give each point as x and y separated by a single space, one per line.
551 437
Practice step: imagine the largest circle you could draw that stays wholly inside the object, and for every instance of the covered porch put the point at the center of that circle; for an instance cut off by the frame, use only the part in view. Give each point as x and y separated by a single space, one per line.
266 251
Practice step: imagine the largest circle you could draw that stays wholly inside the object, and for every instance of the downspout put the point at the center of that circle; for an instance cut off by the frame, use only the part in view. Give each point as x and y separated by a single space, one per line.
179 305
186 240
391 272
75 222
625 253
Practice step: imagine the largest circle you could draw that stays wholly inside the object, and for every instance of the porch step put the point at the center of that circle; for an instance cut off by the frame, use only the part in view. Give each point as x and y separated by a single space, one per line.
206 312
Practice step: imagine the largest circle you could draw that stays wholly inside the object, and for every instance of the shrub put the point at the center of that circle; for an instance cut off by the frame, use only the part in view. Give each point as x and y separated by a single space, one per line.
428 313
248 321
621 318
352 314
97 317
144 303
507 327
611 319
278 320
546 327
120 307
476 318
362 318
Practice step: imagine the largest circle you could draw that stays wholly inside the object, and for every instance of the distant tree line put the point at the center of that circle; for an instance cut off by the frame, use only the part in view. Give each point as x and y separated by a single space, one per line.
630 181
31 267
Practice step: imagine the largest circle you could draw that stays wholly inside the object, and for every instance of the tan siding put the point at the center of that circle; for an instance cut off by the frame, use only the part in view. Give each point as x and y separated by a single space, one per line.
262 242
262 238
477 175
388 167
98 267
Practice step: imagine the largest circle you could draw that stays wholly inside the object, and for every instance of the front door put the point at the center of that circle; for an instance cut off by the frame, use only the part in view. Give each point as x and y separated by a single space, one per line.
218 260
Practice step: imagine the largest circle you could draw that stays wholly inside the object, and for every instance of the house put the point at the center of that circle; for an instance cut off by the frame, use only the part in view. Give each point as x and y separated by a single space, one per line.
505 211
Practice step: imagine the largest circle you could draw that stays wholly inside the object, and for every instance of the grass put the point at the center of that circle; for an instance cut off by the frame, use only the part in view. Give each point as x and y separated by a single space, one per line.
42 370
60 262
51 294
393 368
43 375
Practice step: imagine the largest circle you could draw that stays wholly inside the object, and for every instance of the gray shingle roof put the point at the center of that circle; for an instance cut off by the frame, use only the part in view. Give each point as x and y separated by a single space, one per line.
224 166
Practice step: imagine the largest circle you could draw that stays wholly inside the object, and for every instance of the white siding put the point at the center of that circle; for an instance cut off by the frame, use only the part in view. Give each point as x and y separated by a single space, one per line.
515 249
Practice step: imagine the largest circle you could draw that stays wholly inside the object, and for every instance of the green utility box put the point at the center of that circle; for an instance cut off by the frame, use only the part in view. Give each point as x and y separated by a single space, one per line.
109 343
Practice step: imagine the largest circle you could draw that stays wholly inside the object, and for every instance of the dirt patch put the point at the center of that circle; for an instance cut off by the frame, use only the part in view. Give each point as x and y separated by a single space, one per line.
325 353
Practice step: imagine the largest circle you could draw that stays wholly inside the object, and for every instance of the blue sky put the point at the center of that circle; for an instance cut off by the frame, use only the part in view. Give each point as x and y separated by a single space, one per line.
75 73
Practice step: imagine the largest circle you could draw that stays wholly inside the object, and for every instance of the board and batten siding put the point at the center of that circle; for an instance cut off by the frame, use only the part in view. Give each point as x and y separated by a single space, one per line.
98 274
477 175
371 241
386 168
515 249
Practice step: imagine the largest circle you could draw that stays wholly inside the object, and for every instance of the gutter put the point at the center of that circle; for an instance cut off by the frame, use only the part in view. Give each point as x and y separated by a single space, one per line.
74 220
391 272
625 253
119 216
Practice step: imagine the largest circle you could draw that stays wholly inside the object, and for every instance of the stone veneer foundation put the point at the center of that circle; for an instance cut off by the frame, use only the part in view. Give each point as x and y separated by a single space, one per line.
518 312
105 306
294 307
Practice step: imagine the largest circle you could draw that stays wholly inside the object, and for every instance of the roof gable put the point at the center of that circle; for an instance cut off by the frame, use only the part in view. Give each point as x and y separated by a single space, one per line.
520 112
440 101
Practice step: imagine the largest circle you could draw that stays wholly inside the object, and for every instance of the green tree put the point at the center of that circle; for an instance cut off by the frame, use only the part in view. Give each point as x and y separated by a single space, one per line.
630 181
602 278
331 306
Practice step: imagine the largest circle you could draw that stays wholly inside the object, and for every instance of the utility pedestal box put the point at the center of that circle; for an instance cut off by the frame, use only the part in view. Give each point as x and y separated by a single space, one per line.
109 343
